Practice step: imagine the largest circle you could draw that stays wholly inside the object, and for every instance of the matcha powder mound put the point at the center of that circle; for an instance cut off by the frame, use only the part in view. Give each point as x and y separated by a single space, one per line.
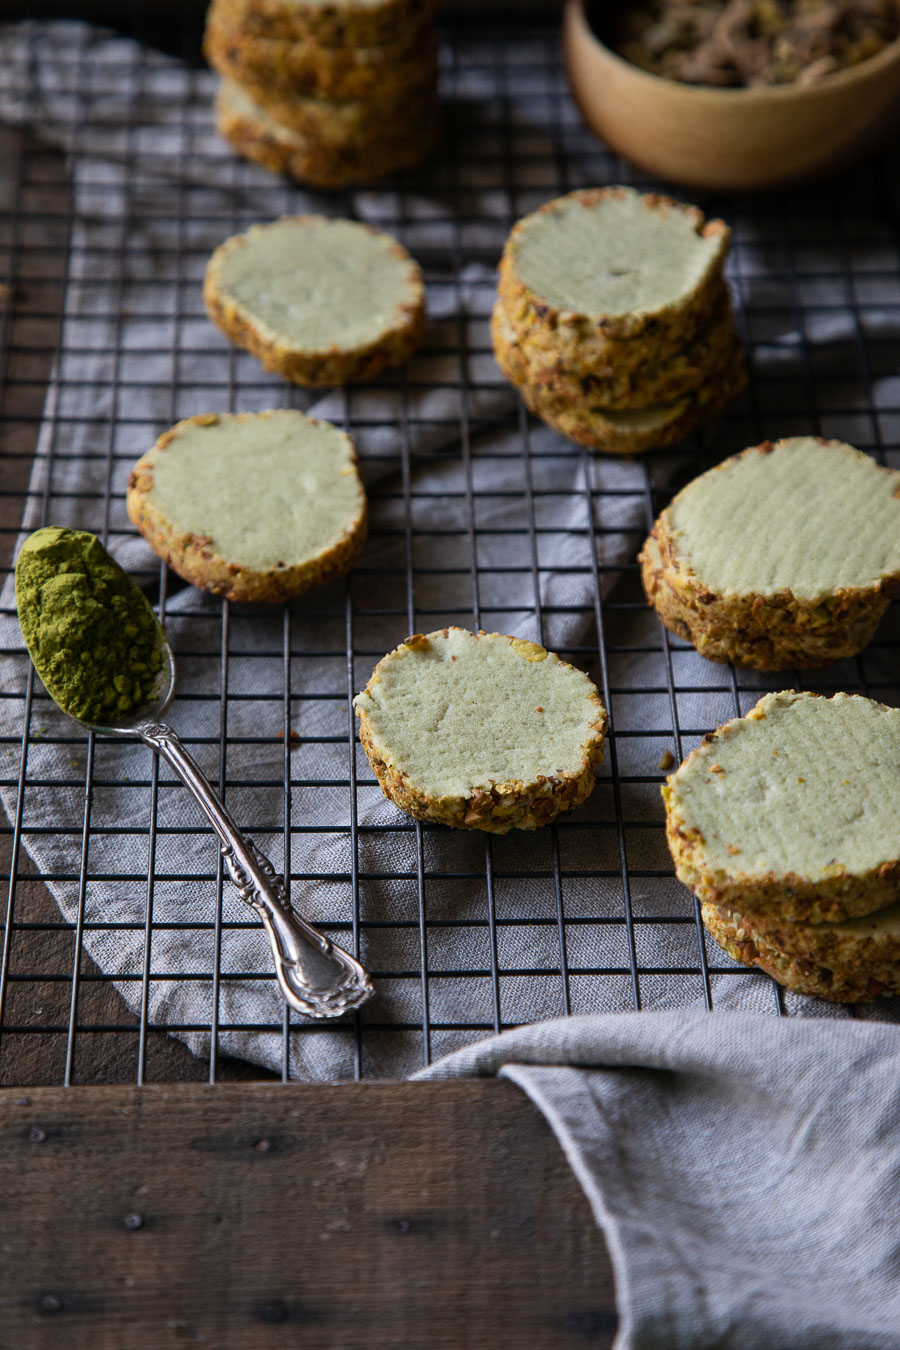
92 635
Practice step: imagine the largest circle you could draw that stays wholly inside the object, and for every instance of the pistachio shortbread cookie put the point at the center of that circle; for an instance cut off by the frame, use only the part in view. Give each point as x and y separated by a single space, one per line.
850 962
786 554
252 506
318 301
622 432
481 731
792 812
259 138
330 23
276 67
612 263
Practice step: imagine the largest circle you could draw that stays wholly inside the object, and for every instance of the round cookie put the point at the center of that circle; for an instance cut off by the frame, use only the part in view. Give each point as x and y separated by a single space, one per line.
318 301
792 811
851 962
609 264
628 385
252 506
628 432
273 66
784 555
259 138
330 23
481 731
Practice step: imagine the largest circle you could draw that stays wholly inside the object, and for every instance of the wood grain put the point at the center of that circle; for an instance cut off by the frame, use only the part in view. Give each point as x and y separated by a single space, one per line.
425 1216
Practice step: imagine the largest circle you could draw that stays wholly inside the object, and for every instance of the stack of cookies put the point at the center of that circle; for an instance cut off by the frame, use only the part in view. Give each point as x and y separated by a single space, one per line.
330 94
614 319
785 824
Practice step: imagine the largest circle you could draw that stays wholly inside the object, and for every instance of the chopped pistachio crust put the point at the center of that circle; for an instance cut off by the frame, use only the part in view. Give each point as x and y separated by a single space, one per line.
258 507
269 66
630 385
761 633
654 263
481 731
792 811
334 23
838 545
352 123
318 301
259 138
628 432
850 969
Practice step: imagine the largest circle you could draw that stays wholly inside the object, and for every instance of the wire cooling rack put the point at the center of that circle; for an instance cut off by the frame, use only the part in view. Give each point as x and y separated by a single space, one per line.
102 134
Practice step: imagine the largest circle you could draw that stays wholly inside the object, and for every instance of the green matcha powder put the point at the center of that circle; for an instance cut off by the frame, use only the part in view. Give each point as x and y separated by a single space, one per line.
92 635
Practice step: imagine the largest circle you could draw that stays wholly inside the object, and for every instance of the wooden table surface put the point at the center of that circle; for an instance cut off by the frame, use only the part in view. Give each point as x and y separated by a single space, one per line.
433 1216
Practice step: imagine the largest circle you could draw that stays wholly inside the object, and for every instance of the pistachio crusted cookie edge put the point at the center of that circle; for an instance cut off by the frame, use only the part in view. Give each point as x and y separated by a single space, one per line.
193 557
256 136
335 23
590 427
791 897
621 386
505 806
859 983
309 70
392 347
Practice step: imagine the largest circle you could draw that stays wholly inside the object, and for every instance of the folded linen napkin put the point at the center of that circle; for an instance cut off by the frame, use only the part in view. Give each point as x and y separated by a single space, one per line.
744 1170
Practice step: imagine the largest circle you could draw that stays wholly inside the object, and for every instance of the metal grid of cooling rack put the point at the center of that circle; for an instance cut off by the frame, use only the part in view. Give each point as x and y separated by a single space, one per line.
568 922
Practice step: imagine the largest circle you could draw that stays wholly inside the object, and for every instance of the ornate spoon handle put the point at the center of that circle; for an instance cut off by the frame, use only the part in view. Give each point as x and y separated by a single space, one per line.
316 977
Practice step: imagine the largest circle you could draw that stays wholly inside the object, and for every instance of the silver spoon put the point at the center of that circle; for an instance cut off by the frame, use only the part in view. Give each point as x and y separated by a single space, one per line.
316 977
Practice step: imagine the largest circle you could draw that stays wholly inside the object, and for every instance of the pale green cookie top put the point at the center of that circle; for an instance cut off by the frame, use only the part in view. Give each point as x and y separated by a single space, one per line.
804 785
318 284
810 516
458 712
620 255
268 489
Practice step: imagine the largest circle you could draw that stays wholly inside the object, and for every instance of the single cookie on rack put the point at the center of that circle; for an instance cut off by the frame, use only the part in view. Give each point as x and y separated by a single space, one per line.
252 506
792 812
851 962
308 159
335 23
274 66
317 300
631 431
784 555
607 264
481 731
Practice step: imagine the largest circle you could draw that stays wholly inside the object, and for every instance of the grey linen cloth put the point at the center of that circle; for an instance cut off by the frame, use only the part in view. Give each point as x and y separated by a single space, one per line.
151 191
744 1170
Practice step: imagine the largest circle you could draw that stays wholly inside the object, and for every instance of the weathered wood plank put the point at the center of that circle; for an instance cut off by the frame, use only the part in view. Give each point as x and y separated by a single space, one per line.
429 1216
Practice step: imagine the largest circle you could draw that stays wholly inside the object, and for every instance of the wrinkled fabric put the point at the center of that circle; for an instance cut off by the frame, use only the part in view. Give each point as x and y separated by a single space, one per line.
745 1170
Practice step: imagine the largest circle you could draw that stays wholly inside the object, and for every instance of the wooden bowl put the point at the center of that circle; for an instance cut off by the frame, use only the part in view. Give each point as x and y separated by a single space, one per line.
730 138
